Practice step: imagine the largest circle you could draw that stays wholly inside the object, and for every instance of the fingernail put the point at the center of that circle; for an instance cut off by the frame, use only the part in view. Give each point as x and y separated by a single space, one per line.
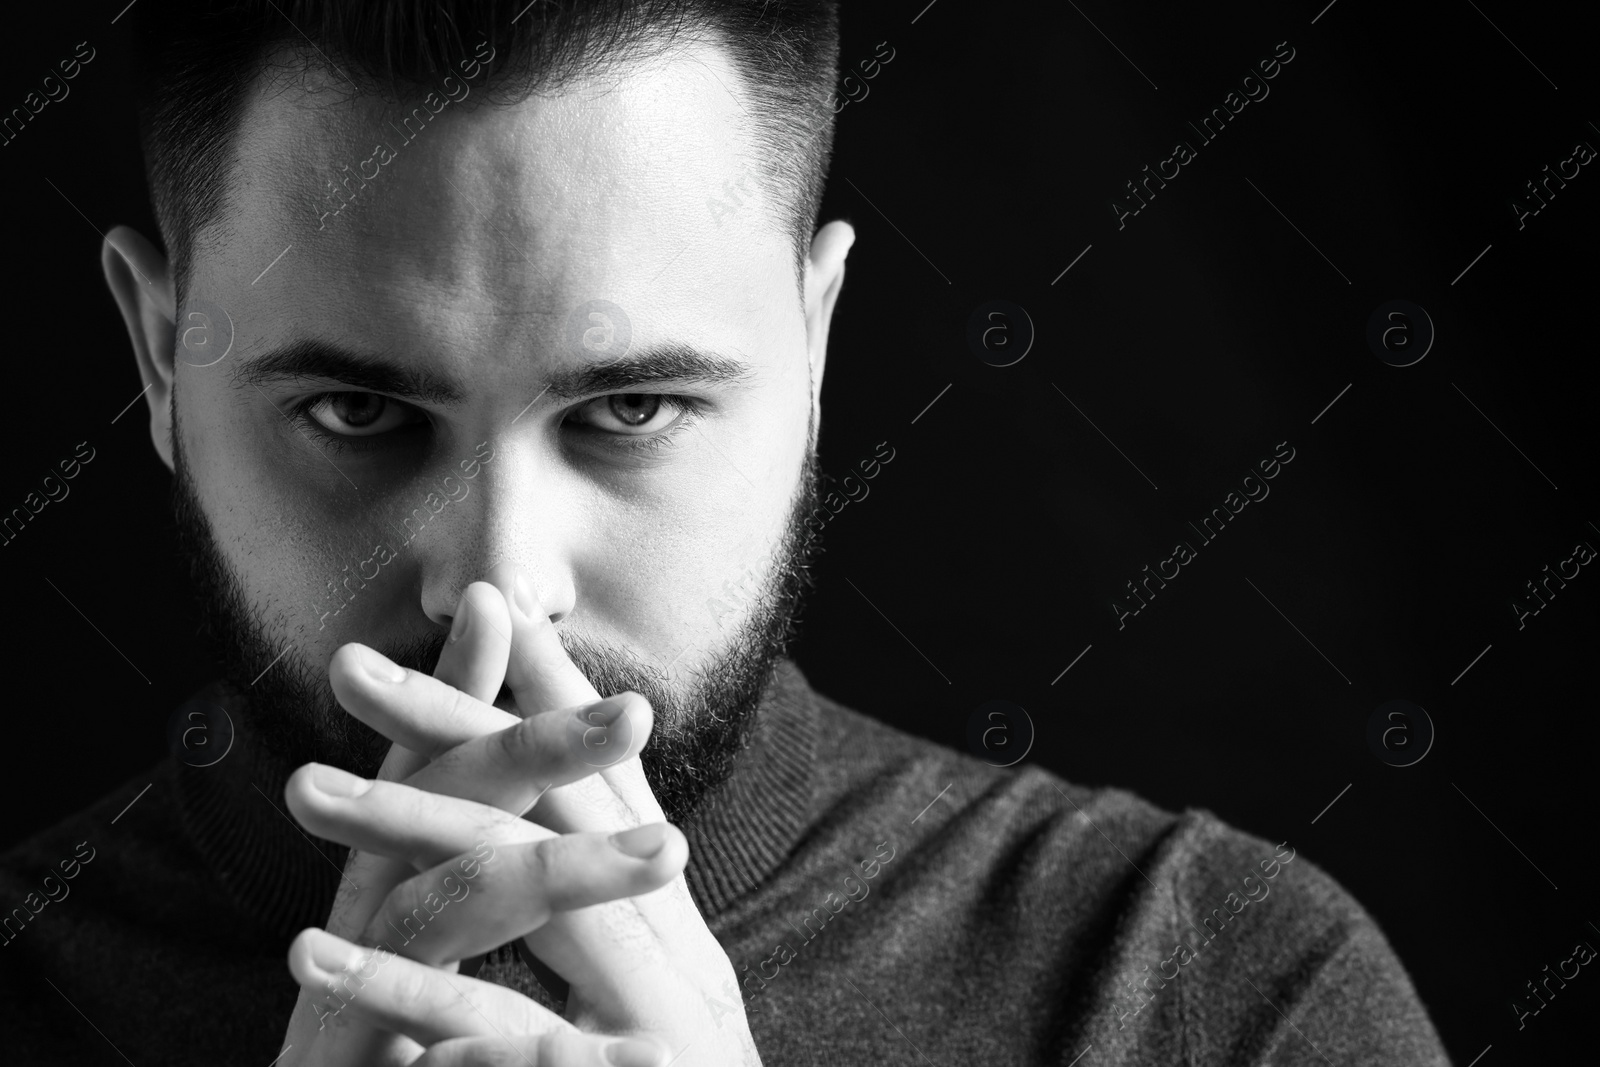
334 954
631 1052
381 668
458 625
522 592
641 842
337 783
603 713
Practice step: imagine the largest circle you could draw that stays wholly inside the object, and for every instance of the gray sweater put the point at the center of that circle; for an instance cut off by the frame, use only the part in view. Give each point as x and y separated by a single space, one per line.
883 900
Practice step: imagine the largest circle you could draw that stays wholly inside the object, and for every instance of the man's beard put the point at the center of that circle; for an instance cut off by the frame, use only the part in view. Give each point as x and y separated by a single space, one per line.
699 729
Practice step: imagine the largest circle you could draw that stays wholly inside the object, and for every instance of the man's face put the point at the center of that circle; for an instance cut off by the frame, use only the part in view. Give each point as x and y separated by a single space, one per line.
653 507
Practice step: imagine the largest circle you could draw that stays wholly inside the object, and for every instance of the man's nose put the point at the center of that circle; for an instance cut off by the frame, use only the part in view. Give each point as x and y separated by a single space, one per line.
517 510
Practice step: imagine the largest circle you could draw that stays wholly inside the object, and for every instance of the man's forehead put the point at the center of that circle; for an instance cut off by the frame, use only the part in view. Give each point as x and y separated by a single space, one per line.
438 217
657 122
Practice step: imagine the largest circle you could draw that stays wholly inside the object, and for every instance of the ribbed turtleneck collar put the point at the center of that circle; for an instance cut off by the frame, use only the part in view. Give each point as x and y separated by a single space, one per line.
285 879
277 874
748 825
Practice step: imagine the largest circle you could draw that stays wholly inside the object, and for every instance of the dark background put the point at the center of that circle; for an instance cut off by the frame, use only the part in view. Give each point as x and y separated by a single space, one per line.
979 164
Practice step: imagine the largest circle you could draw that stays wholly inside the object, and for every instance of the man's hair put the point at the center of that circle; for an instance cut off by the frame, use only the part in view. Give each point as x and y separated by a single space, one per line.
197 60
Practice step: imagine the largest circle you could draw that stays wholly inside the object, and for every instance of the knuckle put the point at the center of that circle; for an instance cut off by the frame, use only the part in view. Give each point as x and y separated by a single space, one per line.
461 707
408 989
493 825
549 1051
539 864
395 909
513 745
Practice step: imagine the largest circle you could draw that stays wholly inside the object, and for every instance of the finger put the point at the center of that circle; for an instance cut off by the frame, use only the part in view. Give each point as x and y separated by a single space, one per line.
481 899
473 660
367 683
368 877
579 899
389 992
322 1037
603 948
509 768
415 827
539 671
433 723
607 950
562 1048
610 950
619 954
474 656
513 767
541 676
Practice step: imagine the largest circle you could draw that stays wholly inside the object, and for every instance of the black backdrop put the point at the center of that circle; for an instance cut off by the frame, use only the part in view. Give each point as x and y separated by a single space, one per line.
1173 355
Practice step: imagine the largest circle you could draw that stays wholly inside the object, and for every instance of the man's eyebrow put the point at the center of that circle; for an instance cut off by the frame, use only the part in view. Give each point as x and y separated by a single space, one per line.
668 363
310 360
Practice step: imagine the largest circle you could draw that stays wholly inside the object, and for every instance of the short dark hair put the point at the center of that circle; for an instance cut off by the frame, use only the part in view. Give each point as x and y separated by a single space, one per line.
197 59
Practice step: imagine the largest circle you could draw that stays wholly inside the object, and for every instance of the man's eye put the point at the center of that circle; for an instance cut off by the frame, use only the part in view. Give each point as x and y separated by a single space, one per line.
357 414
633 414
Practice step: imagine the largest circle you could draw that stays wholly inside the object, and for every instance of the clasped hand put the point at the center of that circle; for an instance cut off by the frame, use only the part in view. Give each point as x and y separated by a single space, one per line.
485 826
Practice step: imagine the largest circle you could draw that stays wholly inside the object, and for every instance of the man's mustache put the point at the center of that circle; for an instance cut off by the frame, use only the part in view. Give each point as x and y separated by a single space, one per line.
599 664
418 654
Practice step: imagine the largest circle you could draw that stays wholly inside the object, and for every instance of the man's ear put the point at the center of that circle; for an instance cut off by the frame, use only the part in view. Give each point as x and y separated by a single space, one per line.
141 283
824 279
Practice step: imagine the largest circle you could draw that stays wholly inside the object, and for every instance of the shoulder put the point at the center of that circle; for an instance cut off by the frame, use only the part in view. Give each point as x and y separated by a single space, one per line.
112 823
1280 961
941 796
1171 935
1027 815
79 890
123 864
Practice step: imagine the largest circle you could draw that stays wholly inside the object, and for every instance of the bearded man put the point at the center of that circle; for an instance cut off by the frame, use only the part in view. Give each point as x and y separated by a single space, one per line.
486 348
